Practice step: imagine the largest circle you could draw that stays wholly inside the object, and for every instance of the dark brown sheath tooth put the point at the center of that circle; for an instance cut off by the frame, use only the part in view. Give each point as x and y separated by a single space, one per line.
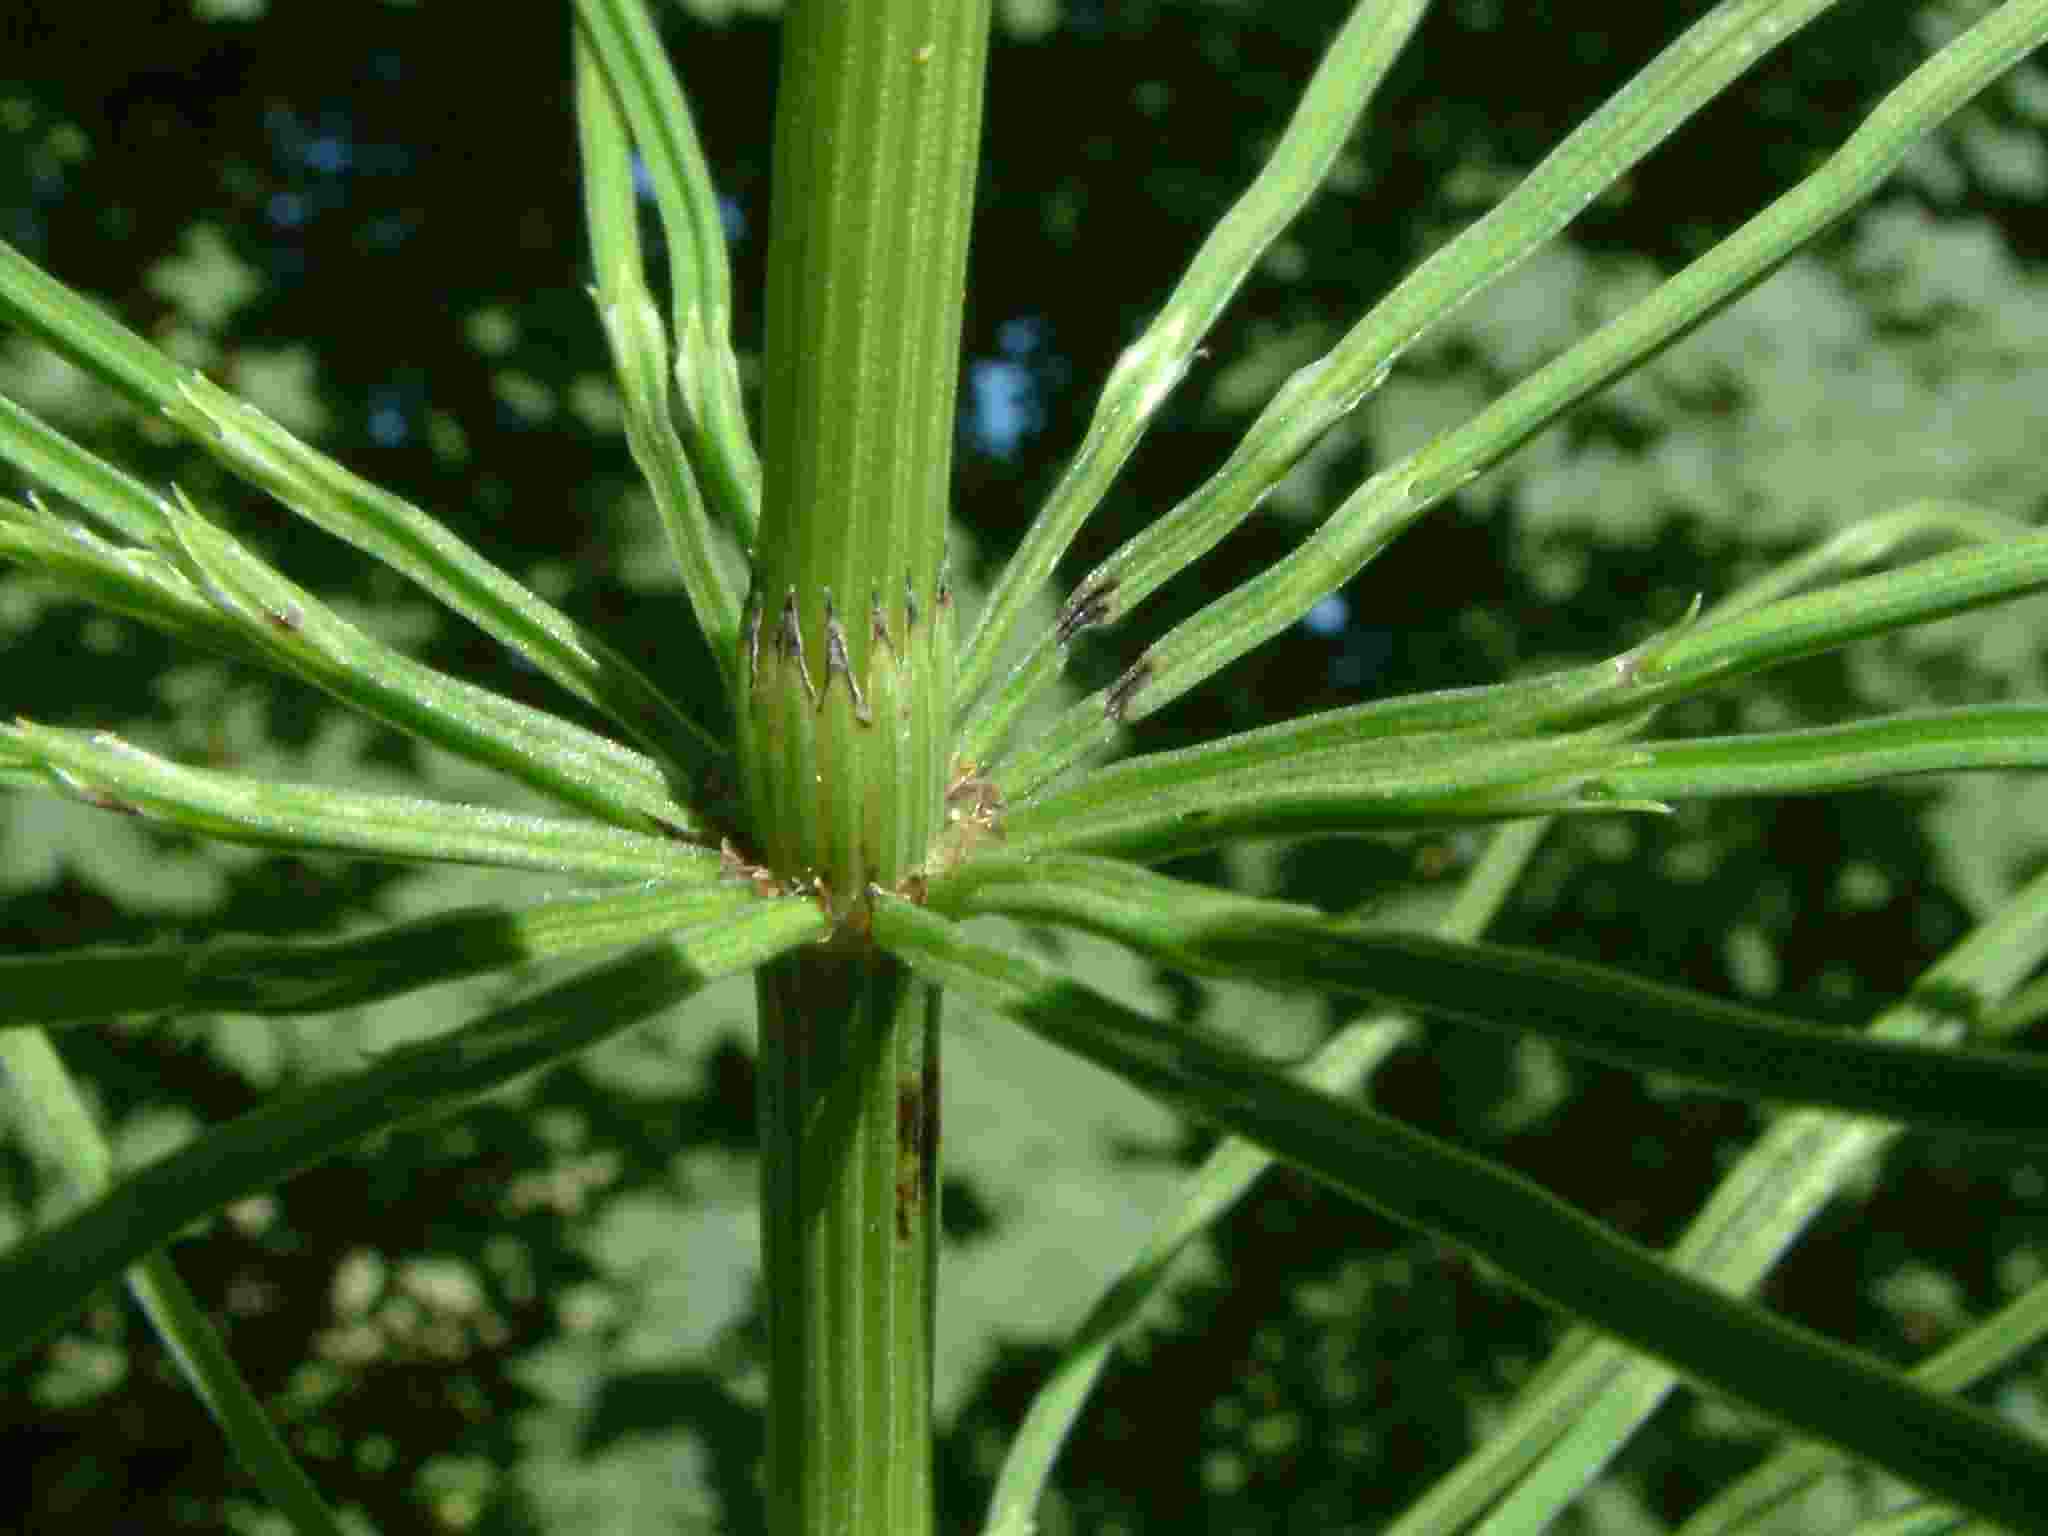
789 634
789 640
1117 701
909 606
837 665
878 624
1088 606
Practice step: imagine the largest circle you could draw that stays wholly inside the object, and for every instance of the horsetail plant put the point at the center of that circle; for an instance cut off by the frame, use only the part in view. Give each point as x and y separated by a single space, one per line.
871 789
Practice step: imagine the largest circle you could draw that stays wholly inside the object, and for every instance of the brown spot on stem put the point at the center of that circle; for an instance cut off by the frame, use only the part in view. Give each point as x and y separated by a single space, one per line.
1117 702
974 797
859 922
917 1141
974 817
735 865
907 1192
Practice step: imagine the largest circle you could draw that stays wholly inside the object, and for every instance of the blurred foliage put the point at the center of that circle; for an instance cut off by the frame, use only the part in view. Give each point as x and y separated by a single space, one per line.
539 1315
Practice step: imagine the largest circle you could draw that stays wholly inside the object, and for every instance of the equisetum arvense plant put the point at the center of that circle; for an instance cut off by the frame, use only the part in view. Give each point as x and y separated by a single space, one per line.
871 788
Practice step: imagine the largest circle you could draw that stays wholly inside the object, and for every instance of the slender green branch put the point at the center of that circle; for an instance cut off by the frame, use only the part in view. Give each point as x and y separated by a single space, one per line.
423 551
1605 1013
1338 1066
211 591
1756 629
1688 74
46 1089
1555 1253
351 508
294 632
640 360
46 456
622 36
115 775
2020 1325
1150 367
297 976
1874 541
138 583
1393 499
1592 1394
1840 757
1754 639
1158 808
49 1275
77 328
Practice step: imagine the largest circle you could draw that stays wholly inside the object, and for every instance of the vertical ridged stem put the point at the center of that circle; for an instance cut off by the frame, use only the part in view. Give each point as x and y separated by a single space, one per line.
848 1090
877 130
844 702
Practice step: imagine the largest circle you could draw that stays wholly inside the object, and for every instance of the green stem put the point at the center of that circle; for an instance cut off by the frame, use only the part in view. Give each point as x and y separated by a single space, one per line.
51 1098
849 1132
848 651
844 700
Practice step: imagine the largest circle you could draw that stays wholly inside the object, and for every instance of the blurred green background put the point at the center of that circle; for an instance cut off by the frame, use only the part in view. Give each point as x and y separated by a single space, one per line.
539 1315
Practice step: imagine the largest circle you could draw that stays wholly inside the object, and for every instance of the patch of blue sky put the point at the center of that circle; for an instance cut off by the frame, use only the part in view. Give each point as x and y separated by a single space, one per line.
1004 405
388 425
1329 616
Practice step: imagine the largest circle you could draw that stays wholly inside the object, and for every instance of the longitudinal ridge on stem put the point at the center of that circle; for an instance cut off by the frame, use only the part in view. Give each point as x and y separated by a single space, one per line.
844 693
